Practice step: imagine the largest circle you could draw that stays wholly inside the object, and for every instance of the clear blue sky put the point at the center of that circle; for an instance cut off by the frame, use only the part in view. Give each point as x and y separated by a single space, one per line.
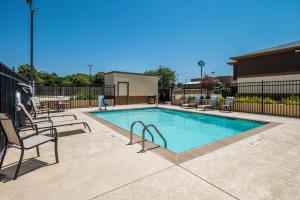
135 35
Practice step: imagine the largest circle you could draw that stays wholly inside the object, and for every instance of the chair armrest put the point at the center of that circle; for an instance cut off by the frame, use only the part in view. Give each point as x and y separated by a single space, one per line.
41 121
54 132
46 129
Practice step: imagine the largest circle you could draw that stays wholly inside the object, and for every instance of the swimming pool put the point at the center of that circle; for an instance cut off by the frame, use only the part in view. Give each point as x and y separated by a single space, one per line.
182 130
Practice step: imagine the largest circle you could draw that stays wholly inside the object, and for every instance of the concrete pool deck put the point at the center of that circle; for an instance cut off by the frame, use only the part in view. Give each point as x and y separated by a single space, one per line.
99 165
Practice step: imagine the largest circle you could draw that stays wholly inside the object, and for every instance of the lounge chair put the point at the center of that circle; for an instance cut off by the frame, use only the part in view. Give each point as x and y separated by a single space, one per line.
185 103
29 122
212 103
14 140
228 104
196 102
36 110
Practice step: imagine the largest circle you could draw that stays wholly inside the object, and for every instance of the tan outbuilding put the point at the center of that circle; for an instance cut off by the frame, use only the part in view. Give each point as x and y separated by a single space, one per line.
132 88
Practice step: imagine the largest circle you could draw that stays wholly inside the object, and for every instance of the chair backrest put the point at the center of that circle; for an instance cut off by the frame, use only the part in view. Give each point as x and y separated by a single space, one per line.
104 102
60 99
229 101
36 101
9 129
28 116
197 99
35 105
186 99
213 100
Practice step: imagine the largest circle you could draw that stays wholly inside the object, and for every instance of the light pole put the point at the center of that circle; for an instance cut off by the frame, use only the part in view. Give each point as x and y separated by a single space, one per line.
32 11
90 82
201 63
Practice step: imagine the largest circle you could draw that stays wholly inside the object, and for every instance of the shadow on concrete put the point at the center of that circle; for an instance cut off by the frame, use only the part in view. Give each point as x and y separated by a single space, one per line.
68 133
27 166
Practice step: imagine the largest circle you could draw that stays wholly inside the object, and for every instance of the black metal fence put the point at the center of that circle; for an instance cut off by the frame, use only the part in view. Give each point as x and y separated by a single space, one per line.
75 96
281 98
164 95
10 83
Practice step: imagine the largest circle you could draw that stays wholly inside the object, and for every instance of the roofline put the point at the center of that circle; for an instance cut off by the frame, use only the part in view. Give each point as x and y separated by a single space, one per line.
264 53
231 62
133 73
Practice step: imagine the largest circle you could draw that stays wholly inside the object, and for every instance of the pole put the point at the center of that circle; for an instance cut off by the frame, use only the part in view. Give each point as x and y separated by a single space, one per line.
201 82
262 97
32 10
90 82
31 43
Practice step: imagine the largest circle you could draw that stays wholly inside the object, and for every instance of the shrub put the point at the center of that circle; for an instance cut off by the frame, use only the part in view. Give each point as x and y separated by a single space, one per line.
246 99
191 98
292 100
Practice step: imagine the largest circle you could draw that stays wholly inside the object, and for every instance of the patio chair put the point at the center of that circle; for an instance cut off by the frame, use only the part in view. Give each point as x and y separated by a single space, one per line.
36 110
228 104
185 103
196 102
14 140
62 103
212 103
29 122
104 103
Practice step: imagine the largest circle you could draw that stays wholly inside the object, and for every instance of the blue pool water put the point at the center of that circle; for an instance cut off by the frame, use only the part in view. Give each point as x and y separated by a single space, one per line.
182 130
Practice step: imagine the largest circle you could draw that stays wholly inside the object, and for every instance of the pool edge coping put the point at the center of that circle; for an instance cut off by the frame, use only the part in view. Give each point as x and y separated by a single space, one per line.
179 158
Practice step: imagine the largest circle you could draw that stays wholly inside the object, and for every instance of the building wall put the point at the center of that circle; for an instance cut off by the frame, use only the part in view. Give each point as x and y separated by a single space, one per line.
140 86
269 78
269 65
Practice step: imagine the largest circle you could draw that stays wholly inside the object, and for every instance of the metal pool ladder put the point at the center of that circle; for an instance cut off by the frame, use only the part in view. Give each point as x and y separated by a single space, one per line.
131 131
146 128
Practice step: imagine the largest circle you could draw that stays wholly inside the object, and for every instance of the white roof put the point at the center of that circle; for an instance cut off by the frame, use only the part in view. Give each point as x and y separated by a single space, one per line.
192 83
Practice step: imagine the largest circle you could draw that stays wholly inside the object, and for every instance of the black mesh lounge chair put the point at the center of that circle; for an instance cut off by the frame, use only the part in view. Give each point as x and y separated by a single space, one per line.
228 104
48 123
36 110
14 140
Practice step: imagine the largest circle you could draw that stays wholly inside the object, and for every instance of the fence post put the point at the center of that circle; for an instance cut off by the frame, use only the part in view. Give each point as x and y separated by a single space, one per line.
262 97
184 94
298 97
114 94
89 94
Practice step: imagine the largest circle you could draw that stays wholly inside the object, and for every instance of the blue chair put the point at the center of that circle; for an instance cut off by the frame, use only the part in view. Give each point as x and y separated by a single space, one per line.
104 103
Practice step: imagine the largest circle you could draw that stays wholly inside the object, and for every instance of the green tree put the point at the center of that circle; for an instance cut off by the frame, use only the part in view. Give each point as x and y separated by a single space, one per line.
46 78
24 70
98 79
166 76
77 79
179 85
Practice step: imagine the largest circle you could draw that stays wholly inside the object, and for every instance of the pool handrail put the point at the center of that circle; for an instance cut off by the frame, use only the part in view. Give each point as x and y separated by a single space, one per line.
157 131
131 131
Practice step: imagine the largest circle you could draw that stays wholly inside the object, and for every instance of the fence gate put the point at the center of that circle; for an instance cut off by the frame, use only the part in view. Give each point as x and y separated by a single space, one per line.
165 95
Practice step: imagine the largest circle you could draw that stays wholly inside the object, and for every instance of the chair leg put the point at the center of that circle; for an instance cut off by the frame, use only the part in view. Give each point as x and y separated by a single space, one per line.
3 156
19 164
38 151
56 152
86 124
